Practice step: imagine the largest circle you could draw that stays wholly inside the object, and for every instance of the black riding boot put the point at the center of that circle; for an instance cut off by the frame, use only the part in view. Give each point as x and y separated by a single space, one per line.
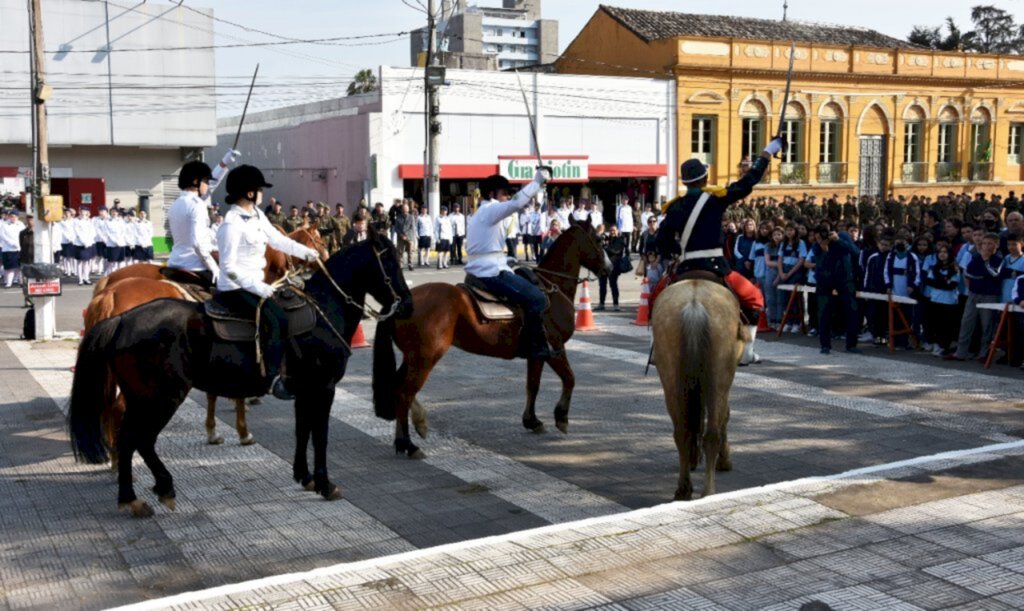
539 347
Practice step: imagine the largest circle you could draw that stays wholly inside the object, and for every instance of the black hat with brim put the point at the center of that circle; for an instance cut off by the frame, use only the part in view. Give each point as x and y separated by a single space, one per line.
692 170
494 183
243 180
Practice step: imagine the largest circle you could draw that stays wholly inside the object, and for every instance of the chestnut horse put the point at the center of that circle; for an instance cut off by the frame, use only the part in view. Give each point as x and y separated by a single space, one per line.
277 262
444 316
143 283
698 339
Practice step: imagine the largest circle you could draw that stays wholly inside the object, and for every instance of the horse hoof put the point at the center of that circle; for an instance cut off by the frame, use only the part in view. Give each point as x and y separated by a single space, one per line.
248 440
169 502
137 508
534 426
418 454
724 465
334 494
684 495
215 441
563 426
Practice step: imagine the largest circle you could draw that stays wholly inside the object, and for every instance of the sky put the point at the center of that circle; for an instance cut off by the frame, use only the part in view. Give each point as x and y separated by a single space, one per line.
309 72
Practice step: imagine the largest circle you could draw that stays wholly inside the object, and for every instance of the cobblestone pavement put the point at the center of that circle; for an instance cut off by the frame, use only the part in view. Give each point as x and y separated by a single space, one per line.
940 526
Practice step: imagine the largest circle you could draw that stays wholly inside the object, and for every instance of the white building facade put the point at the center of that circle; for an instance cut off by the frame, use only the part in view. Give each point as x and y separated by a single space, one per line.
133 96
608 138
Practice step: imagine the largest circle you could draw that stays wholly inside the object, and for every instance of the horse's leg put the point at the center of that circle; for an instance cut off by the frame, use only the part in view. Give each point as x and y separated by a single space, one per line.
320 408
712 443
300 467
127 442
724 454
115 416
244 436
534 369
212 437
164 484
561 366
417 370
419 418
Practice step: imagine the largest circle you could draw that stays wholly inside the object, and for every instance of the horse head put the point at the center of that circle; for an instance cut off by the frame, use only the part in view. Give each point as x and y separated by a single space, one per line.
592 253
310 237
385 282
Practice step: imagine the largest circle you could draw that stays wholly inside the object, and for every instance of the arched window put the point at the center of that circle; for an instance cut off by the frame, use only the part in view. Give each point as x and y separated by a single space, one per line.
981 144
793 129
914 169
947 168
753 116
830 144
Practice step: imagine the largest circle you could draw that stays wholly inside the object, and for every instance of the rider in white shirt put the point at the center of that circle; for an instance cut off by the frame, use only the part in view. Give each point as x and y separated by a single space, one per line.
487 262
189 221
242 241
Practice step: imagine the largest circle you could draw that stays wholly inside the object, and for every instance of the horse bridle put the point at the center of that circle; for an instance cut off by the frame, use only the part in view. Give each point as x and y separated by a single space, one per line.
365 309
577 279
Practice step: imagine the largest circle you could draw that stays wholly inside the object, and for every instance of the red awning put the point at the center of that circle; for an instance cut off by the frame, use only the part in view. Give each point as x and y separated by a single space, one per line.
457 171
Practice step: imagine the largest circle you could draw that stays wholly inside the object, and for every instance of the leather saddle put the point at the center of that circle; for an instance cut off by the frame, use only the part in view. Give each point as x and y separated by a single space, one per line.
230 326
489 306
192 285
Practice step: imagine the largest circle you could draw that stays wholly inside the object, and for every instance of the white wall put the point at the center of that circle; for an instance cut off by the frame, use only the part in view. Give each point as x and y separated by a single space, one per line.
613 120
128 96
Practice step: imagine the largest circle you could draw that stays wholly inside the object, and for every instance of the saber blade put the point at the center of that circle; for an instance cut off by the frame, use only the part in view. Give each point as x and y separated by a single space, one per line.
238 134
533 125
789 83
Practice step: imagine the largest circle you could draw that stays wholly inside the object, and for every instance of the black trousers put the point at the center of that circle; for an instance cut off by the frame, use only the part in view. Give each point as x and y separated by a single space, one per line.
273 324
457 248
828 304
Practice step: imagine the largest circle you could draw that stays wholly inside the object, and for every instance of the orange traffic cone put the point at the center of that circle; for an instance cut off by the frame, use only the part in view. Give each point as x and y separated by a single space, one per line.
359 338
584 313
643 313
762 324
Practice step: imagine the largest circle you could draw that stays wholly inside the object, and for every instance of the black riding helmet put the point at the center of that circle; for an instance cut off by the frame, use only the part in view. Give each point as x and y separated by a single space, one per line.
192 173
243 180
494 183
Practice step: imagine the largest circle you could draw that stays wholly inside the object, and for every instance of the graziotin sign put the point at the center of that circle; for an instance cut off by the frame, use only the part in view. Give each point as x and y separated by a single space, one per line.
568 168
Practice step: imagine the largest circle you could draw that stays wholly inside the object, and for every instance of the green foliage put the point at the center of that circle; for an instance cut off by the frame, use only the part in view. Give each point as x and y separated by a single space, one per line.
995 31
364 81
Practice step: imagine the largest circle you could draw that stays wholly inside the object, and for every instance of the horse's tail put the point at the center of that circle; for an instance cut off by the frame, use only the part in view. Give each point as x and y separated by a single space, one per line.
385 378
696 344
91 392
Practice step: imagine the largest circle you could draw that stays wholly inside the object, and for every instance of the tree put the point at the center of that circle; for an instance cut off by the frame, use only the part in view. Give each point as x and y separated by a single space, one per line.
364 81
995 31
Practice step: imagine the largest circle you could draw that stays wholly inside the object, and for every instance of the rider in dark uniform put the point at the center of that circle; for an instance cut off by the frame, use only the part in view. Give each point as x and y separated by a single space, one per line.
692 231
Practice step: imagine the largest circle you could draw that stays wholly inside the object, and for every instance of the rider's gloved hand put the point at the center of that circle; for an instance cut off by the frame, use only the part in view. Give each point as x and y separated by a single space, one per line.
310 255
542 175
774 147
264 290
230 157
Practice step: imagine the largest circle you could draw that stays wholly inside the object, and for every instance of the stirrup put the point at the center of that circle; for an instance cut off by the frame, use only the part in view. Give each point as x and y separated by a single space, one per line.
280 390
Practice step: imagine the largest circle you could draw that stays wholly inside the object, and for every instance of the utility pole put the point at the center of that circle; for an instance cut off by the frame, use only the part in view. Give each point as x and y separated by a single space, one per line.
45 306
432 177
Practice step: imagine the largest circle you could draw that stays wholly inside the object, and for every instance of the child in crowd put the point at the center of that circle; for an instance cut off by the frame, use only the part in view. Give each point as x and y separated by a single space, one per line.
942 281
772 296
902 276
874 282
791 257
983 274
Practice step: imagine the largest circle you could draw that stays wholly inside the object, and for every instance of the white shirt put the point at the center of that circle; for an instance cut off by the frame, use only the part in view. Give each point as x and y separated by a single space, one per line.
100 225
643 218
242 241
67 230
563 216
485 239
458 223
444 228
85 232
624 218
535 227
9 231
115 231
131 234
144 230
190 230
423 226
56 235
511 226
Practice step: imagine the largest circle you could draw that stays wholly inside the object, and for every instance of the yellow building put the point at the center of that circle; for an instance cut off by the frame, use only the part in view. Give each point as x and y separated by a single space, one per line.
868 114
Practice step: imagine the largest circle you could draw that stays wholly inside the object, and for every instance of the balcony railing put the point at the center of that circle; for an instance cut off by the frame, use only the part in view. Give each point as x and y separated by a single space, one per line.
832 173
793 173
981 171
947 171
915 171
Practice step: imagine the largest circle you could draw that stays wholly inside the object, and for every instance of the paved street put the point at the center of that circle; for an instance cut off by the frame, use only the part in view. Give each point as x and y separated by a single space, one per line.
928 521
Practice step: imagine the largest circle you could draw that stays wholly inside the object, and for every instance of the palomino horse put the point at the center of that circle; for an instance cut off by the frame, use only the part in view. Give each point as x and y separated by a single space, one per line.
277 262
157 352
444 316
141 283
698 339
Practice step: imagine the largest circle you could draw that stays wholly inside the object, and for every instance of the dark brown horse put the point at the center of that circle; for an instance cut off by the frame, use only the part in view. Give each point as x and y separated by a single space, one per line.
444 315
141 283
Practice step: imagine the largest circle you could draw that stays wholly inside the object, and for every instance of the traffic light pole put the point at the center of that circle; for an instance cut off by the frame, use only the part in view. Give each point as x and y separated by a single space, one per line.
45 307
432 178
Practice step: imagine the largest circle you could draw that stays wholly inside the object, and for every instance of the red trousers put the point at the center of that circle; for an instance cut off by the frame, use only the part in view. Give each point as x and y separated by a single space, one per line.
750 297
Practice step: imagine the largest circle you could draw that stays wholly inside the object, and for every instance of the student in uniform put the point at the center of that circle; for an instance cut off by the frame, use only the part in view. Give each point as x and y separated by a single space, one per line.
943 290
424 235
983 274
10 247
791 257
874 282
444 231
85 246
902 276
772 295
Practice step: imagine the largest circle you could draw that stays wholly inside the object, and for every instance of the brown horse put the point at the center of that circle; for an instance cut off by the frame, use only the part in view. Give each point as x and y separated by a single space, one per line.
698 340
131 291
444 315
278 263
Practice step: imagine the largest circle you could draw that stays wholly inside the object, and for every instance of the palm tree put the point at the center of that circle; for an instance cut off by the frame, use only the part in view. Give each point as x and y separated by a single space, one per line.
365 81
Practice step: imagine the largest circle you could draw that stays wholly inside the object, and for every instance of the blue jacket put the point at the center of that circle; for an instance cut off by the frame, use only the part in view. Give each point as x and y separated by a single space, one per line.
874 275
984 276
913 271
707 232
